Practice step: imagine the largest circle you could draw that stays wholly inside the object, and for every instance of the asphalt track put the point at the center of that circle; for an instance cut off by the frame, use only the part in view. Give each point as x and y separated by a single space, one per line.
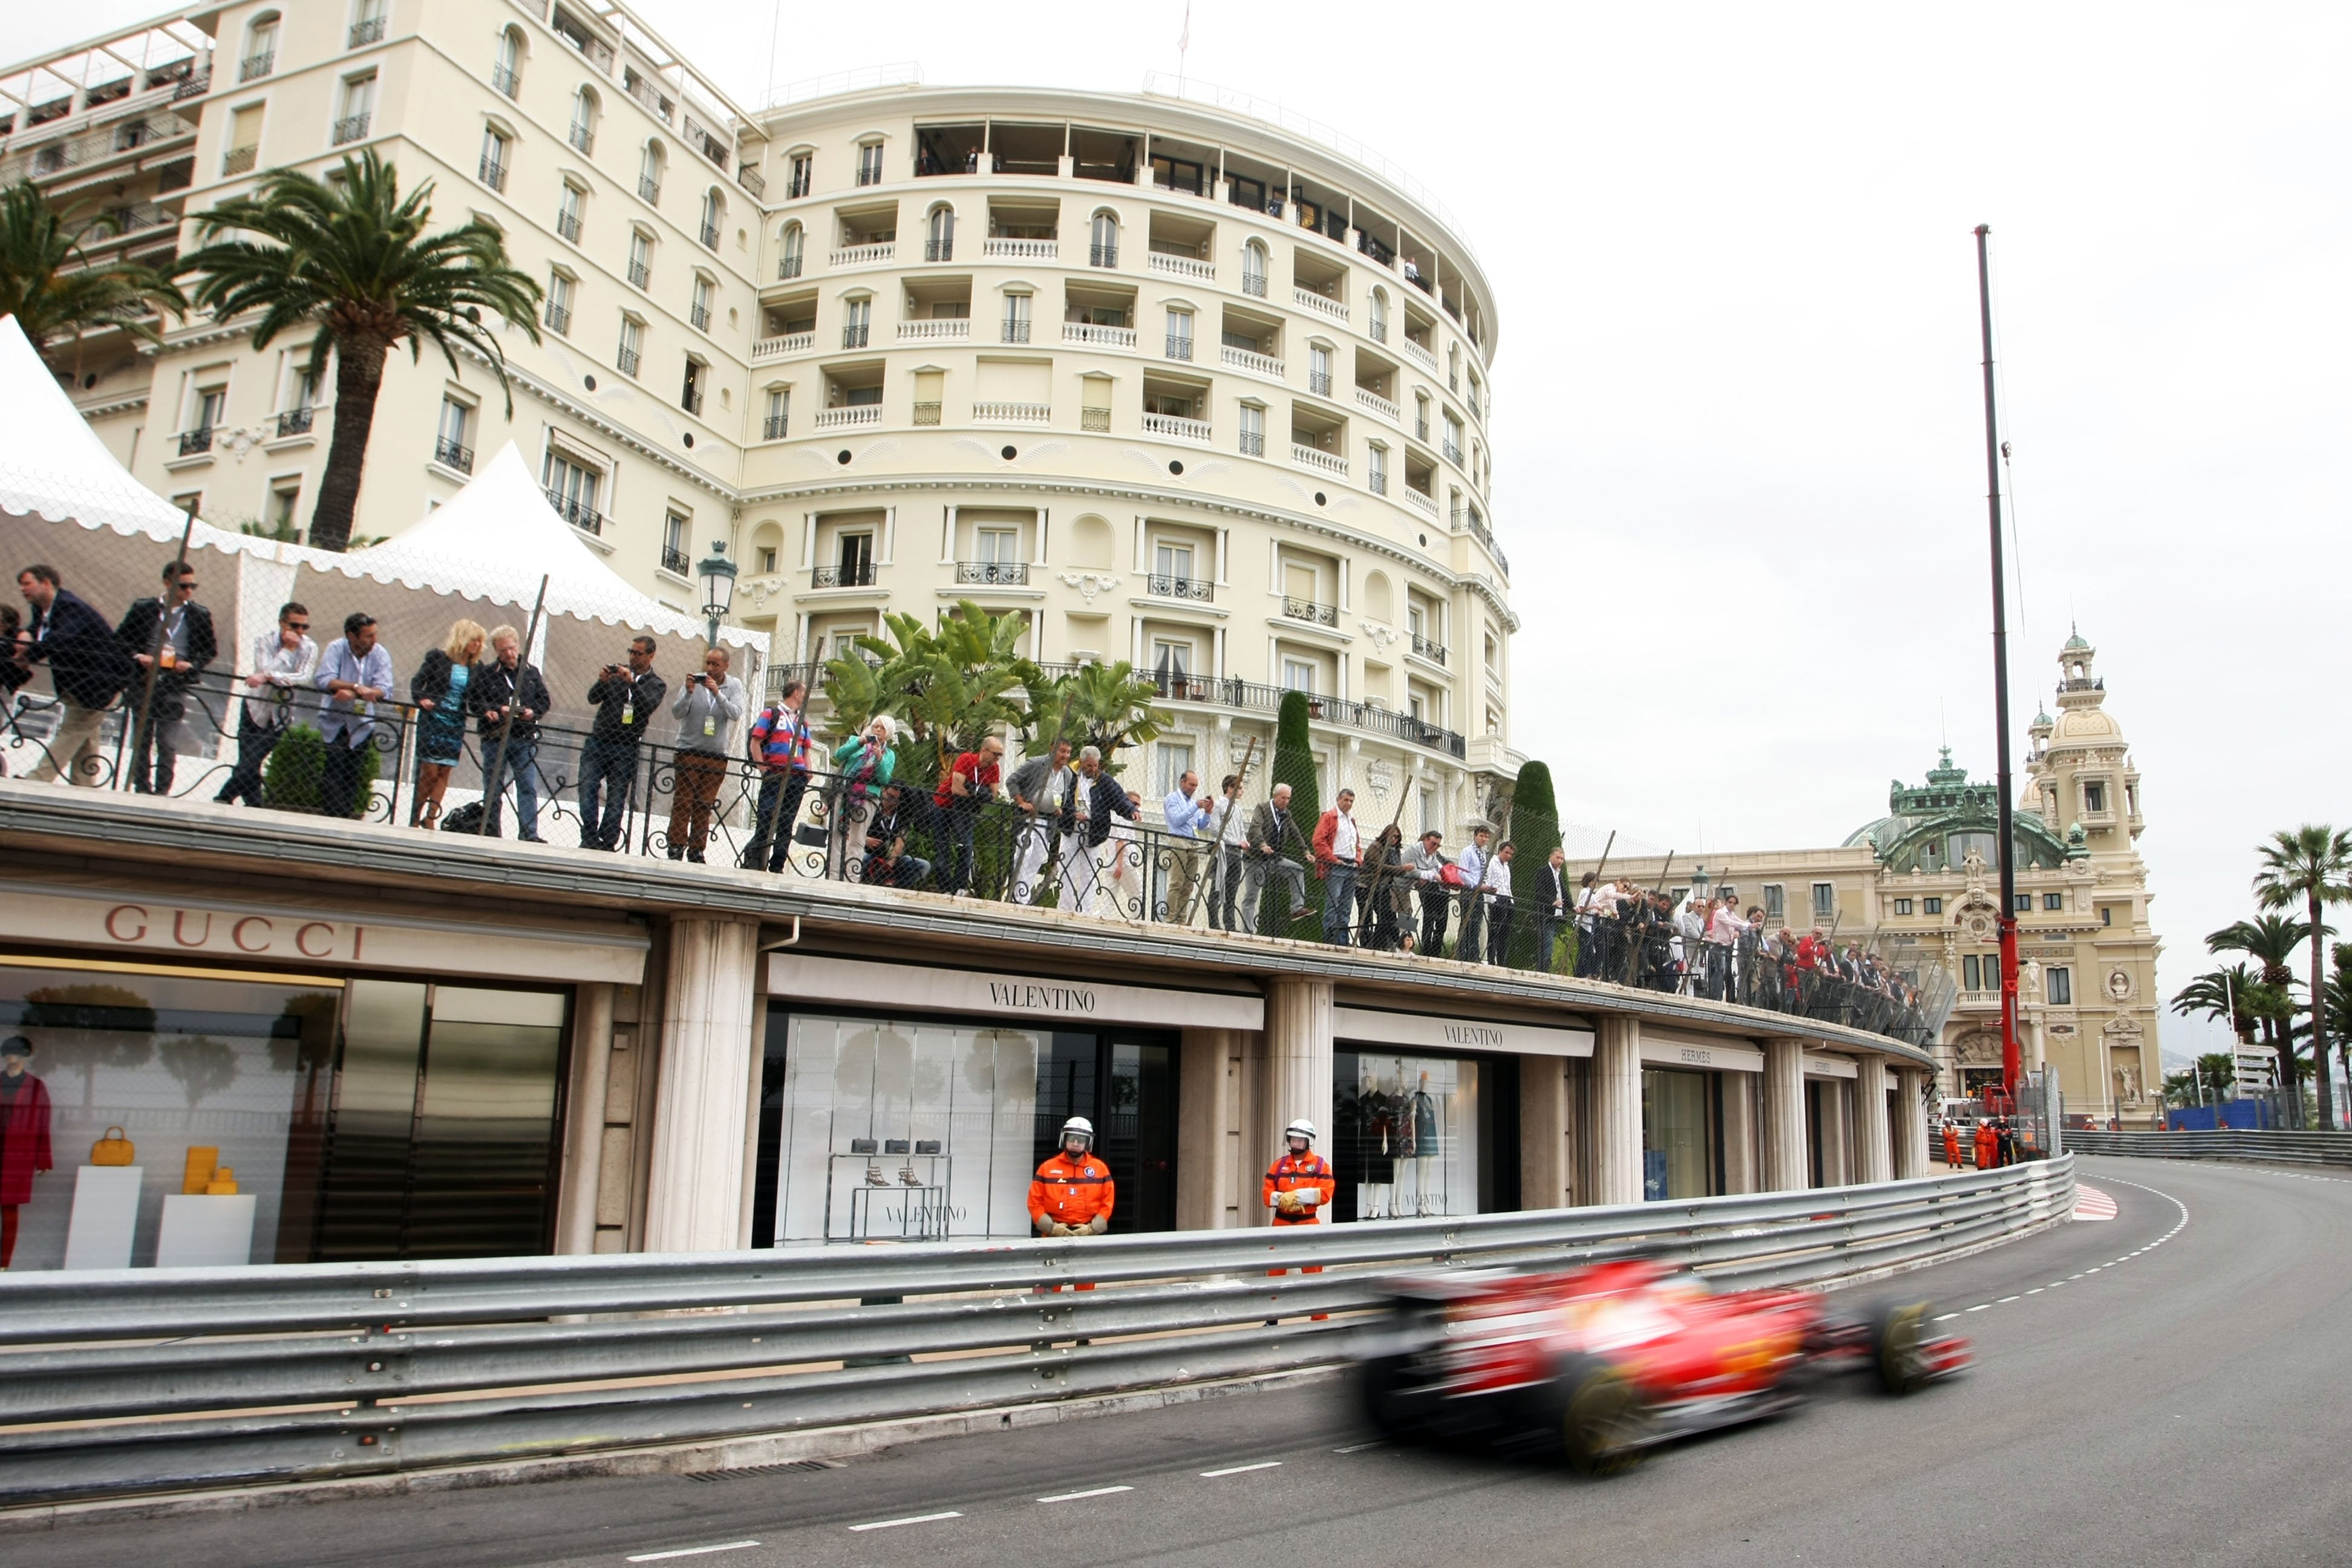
2167 1386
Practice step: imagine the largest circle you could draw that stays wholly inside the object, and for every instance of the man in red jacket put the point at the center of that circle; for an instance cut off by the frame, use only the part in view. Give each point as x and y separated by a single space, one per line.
1337 850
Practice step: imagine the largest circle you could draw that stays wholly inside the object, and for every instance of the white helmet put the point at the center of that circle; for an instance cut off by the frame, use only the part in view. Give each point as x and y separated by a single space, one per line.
1082 1127
1302 1128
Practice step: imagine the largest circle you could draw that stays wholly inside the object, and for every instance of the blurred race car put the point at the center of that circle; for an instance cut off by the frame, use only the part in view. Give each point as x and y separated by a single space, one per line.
1606 1361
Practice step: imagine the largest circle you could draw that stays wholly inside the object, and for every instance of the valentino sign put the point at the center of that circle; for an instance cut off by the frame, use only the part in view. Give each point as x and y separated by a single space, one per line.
1032 998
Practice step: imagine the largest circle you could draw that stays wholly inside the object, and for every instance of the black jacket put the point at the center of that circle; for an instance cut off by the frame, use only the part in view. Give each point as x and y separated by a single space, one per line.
493 686
612 693
431 681
1552 892
87 661
1108 796
137 635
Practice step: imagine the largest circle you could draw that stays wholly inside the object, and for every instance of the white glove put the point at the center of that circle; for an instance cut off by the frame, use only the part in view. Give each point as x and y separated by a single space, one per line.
1309 1197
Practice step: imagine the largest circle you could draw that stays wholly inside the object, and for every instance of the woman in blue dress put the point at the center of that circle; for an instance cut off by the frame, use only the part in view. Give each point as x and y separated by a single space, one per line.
438 689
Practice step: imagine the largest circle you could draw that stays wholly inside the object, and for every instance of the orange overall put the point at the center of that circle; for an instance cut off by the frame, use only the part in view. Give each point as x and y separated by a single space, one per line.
1069 1192
1308 1172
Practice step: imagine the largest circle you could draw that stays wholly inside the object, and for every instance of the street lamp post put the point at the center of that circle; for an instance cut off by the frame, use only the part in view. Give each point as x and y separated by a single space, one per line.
717 574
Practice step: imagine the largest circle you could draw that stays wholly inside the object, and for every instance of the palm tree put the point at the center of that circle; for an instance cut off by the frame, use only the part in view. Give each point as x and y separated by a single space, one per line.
1106 706
2271 942
2221 993
349 257
49 284
2311 865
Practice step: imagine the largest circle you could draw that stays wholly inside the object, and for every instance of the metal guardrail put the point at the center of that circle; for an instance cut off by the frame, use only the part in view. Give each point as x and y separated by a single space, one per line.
2273 1147
173 1379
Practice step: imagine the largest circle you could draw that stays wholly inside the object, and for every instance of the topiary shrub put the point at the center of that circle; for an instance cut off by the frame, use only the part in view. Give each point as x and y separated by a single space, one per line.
294 777
1294 764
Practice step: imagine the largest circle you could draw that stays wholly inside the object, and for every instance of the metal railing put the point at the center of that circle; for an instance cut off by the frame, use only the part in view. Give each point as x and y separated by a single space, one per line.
195 442
154 1379
350 128
239 161
255 67
579 514
626 360
2267 1147
450 455
854 575
508 83
368 32
773 428
1167 587
567 224
649 190
559 318
1429 649
699 314
640 274
583 136
709 234
674 561
993 574
296 421
1309 610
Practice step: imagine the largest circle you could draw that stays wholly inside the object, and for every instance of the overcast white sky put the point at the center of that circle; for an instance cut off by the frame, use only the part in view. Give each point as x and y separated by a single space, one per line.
1739 454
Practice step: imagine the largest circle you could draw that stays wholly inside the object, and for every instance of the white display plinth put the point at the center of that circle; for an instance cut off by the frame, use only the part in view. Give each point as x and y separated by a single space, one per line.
105 1216
200 1229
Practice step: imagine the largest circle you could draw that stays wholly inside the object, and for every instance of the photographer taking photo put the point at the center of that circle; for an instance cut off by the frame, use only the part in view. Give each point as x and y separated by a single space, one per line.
624 696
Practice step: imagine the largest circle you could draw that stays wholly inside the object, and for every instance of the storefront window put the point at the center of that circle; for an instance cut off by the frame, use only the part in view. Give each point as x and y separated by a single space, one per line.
1678 1134
1408 1143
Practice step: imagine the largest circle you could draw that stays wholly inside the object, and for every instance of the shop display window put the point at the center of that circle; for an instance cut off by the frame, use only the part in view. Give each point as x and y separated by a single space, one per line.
1411 1135
1679 1135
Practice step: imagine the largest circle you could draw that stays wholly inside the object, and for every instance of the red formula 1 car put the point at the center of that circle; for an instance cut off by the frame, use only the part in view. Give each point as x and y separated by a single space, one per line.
1606 1361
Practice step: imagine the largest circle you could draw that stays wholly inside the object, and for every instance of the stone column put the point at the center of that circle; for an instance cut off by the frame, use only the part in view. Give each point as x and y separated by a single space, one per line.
1617 1111
583 1117
1874 1159
1911 1124
694 1201
1739 1173
1208 1097
1545 1181
1837 1163
1297 1078
1786 1168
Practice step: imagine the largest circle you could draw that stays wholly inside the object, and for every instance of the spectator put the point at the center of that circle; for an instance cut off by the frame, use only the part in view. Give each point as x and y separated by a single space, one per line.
439 690
1724 930
87 666
624 697
1186 812
355 672
1387 891
1338 856
13 642
1041 789
170 665
510 697
1552 899
1472 866
1228 834
1271 835
887 861
1086 812
1500 906
779 745
706 707
861 768
282 661
1427 862
969 789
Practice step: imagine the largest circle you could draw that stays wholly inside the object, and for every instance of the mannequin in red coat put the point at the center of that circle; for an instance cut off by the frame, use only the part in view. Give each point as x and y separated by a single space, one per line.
23 1136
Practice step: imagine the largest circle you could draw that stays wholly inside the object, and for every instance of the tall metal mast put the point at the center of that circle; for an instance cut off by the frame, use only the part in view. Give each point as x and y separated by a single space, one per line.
2010 1065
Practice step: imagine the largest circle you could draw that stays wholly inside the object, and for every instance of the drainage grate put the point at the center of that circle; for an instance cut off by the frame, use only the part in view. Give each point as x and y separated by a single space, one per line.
749 1470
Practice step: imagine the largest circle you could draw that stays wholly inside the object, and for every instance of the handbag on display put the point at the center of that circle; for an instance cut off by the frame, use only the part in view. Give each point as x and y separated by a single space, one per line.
114 1148
223 1185
203 1159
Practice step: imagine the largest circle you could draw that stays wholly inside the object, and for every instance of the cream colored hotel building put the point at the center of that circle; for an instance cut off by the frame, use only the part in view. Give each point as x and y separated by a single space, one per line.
1173 383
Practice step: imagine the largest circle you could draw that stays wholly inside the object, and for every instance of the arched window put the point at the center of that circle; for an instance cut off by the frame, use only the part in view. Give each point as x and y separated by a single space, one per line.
584 113
791 245
869 162
506 71
1379 316
260 48
649 171
1253 269
714 214
1103 250
938 244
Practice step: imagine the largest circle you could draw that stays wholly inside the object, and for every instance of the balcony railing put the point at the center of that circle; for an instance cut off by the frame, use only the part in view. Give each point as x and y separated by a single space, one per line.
748 177
239 161
640 274
1316 458
1254 283
1181 267
296 422
1102 255
450 455
1092 336
851 575
1413 350
773 428
494 173
1165 586
567 224
993 574
350 128
1377 481
999 250
850 417
1179 348
674 561
768 348
1094 418
1176 427
558 318
788 268
1379 328
699 314
1432 651
927 413
1176 686
1253 443
938 250
1421 499
579 514
649 189
197 84
627 360
1308 298
1420 430
1309 610
253 68
873 254
1376 404
1453 451
854 335
689 398
195 443
709 233
1255 363
368 32
583 136
1318 381
1000 412
505 81
935 331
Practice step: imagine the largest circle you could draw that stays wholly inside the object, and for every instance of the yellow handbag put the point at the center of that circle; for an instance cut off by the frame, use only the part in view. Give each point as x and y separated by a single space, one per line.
114 1148
202 1159
223 1185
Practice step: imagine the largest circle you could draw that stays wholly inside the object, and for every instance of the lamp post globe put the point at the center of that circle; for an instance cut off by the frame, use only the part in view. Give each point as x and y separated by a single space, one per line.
717 574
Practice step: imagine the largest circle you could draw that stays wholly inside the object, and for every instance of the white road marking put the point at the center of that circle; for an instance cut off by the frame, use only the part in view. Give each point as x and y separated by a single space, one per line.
914 1519
1094 1491
1360 1447
1981 1306
1241 1470
2037 1289
2004 1301
692 1551
1947 1317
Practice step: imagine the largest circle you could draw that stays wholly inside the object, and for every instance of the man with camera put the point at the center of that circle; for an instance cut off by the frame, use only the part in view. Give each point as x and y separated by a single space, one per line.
707 708
968 790
510 697
625 697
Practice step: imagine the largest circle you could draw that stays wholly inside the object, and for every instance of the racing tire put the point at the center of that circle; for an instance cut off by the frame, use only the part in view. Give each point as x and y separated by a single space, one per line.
1604 1426
1898 1346
1397 1409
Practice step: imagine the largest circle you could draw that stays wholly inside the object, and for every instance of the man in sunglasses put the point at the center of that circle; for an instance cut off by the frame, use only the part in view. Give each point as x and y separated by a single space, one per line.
171 655
283 661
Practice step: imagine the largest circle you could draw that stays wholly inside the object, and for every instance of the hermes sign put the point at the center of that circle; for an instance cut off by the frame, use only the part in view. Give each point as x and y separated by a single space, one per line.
167 928
1035 998
1366 1025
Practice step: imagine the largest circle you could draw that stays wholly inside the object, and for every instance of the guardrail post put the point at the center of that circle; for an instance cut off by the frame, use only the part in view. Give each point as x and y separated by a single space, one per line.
1910 1123
1786 1169
1872 1138
709 1011
1617 1111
